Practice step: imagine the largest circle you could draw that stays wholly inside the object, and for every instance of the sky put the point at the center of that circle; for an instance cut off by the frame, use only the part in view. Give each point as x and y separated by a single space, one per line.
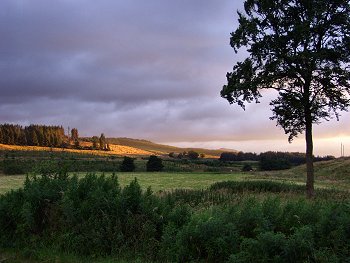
140 69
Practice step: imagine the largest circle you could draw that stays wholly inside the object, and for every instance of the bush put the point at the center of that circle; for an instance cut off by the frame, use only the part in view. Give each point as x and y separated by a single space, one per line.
154 164
247 168
93 216
193 155
127 165
12 167
270 164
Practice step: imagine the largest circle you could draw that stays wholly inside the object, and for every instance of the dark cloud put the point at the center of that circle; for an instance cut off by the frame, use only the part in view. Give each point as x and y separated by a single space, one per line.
111 50
144 69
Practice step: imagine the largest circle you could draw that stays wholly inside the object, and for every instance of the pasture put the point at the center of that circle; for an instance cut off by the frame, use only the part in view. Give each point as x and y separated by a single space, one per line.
229 216
334 174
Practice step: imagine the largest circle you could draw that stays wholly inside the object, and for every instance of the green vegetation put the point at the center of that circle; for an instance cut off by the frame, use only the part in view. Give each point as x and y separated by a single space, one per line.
330 174
222 223
127 165
154 164
191 216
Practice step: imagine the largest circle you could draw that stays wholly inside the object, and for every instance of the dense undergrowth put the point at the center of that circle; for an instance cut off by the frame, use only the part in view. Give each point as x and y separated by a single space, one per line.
95 217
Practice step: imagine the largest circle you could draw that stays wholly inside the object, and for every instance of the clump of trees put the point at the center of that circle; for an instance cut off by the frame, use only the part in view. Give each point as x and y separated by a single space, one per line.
47 136
154 164
32 135
127 165
271 160
75 137
95 142
102 140
238 156
193 155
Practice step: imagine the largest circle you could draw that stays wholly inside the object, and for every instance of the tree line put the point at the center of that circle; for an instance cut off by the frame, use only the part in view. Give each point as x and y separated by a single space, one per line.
48 136
32 135
272 160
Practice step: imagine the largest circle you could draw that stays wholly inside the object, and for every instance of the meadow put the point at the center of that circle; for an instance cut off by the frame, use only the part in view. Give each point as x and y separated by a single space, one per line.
196 211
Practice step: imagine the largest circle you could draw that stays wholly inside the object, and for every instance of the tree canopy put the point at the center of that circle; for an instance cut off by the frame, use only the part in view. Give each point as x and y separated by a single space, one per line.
301 49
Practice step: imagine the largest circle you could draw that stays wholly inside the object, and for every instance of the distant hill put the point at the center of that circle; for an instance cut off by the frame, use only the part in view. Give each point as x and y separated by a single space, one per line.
120 146
157 148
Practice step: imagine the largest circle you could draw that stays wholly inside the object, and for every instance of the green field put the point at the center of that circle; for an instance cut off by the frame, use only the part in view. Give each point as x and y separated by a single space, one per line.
331 175
207 206
158 181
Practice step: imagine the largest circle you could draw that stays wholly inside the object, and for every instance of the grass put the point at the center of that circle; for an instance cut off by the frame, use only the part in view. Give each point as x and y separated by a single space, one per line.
169 181
158 181
163 181
334 174
8 182
329 175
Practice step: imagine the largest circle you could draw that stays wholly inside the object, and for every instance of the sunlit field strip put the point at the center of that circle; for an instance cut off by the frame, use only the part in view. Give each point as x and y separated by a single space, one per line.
115 150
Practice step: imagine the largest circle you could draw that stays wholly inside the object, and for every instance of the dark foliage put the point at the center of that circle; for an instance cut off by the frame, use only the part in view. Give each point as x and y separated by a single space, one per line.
256 186
193 155
93 216
127 165
13 166
102 142
154 164
95 142
247 168
238 156
271 160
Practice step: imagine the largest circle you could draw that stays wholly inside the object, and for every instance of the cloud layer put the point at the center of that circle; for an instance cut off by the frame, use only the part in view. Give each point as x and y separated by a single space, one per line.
144 69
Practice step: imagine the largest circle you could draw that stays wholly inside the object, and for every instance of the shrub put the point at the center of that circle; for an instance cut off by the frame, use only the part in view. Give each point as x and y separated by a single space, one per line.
247 168
154 164
127 165
93 216
193 155
270 164
12 167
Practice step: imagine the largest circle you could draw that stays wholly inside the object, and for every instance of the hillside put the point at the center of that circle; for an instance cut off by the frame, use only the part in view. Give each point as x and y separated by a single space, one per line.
329 174
115 150
338 169
160 148
120 146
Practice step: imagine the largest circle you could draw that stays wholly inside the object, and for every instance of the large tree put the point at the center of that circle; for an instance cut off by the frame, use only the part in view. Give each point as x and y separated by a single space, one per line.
300 48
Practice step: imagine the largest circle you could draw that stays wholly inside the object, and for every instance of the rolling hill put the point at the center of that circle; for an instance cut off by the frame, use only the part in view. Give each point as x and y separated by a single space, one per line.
120 146
157 148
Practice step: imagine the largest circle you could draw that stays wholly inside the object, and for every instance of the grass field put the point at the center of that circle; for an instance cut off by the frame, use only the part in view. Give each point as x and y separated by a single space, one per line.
157 181
332 182
163 181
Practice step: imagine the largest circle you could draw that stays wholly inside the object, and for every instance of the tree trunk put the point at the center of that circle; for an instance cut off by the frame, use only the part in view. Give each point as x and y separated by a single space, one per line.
310 191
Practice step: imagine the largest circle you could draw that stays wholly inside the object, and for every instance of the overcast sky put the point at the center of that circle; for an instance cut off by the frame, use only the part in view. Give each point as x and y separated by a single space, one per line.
140 69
